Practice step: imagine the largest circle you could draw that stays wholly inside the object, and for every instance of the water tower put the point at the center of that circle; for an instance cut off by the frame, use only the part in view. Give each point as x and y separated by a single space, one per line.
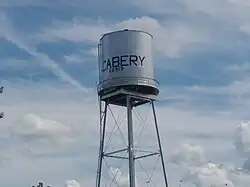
126 79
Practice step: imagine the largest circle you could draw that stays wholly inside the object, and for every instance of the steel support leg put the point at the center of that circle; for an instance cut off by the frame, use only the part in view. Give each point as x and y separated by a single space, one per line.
103 120
130 144
159 144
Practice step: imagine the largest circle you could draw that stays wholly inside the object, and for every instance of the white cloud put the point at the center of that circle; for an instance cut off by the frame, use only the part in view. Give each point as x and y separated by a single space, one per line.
170 40
54 113
48 130
59 112
242 140
72 183
232 9
188 154
38 129
234 12
192 158
236 96
209 175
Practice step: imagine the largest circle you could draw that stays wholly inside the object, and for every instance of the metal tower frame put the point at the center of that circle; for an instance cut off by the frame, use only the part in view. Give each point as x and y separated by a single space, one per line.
129 100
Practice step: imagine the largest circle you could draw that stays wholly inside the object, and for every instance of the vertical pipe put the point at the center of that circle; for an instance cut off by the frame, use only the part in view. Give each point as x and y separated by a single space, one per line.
100 159
159 144
130 144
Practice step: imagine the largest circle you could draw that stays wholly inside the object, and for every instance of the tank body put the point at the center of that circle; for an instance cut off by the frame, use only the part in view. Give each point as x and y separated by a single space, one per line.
125 61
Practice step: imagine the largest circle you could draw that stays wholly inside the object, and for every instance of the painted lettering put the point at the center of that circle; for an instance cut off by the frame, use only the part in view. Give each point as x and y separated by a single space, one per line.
115 61
109 64
124 60
142 59
118 63
133 59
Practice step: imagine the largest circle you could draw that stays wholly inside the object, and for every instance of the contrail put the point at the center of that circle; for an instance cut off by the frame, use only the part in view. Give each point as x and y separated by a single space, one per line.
9 34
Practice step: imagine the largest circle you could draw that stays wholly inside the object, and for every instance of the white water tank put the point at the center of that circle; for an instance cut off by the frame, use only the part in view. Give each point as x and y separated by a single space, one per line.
125 61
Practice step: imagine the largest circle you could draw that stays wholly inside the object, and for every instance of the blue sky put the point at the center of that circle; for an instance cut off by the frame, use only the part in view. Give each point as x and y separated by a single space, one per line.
49 71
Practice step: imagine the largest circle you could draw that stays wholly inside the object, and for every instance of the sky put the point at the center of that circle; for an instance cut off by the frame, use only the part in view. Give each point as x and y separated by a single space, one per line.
48 52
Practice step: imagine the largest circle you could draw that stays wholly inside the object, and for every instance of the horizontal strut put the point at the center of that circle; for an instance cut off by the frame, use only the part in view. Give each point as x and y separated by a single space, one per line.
147 155
113 152
119 157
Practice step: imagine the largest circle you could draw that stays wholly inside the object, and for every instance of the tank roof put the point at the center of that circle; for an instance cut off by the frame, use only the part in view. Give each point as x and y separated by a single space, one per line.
134 30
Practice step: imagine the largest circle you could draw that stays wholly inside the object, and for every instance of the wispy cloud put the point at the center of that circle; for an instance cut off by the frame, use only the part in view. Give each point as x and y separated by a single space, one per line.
77 31
169 40
11 35
83 56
